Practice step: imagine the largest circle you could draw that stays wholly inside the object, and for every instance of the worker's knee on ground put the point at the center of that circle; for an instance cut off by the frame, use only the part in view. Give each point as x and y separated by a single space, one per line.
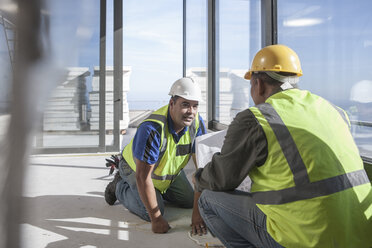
187 204
185 201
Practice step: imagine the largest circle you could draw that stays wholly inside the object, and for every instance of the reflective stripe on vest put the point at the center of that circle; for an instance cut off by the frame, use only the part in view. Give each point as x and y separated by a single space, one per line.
303 189
161 118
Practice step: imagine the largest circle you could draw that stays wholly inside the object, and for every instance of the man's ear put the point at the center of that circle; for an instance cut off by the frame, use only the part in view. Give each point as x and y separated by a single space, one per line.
261 87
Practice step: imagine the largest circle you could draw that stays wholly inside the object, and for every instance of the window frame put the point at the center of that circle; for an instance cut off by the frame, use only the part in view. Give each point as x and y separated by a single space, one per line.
269 36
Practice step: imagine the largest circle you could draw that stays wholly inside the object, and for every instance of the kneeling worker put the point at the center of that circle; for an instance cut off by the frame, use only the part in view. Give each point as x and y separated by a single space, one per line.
309 187
152 163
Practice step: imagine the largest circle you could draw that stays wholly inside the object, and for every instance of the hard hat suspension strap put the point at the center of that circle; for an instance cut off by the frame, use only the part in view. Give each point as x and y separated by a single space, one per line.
288 81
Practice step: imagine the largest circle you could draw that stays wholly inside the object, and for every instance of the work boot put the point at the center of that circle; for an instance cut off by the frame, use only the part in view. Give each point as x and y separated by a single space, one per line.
110 196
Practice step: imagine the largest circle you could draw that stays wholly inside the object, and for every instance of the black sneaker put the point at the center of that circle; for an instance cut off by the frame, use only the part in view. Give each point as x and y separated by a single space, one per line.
110 196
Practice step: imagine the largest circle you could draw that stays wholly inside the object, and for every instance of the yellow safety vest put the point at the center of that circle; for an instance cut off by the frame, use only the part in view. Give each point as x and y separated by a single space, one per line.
173 156
312 187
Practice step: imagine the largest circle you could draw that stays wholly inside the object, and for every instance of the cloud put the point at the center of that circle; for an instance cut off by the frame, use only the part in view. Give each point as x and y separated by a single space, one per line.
302 22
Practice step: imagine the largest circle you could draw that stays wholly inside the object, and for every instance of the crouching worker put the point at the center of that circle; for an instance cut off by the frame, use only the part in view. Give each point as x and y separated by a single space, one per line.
309 187
151 169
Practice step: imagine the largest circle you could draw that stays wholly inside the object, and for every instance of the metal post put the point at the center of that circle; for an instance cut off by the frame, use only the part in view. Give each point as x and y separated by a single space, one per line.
118 70
184 38
102 78
274 21
269 22
213 63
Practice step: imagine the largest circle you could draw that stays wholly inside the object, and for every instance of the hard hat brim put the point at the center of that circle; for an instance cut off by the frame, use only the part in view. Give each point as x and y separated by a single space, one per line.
248 75
200 100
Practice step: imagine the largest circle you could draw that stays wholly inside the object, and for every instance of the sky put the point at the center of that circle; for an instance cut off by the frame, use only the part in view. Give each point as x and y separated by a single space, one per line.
152 41
334 41
332 38
152 47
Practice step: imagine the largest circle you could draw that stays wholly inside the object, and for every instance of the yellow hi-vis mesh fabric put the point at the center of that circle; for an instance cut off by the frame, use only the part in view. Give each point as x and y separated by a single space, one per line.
312 187
173 157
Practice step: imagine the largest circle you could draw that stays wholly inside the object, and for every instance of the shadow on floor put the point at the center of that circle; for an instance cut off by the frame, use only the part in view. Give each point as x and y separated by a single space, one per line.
89 221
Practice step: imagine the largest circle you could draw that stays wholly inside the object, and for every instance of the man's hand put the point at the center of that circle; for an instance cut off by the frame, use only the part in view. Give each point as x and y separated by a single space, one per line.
160 225
197 224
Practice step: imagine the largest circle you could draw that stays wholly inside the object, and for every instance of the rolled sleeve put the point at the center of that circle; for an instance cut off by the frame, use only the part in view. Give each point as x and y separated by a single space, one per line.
146 142
202 129
244 147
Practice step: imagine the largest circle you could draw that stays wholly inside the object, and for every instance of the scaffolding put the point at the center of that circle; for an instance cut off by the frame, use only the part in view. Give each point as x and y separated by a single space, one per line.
11 38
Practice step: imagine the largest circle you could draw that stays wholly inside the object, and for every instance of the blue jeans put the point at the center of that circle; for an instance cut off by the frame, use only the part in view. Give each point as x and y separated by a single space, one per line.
179 193
235 219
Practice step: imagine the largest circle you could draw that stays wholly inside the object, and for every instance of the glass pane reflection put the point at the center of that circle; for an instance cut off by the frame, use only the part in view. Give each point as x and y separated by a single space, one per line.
334 41
196 47
239 39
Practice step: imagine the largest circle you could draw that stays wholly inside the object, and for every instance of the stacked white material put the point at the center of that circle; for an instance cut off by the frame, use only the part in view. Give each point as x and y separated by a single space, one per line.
199 75
233 92
66 109
94 99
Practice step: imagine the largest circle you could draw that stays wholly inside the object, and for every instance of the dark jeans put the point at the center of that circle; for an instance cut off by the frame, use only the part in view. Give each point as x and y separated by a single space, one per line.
235 219
180 192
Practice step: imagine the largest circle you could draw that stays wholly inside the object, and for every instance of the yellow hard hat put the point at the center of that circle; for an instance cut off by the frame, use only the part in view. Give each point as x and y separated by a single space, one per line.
275 58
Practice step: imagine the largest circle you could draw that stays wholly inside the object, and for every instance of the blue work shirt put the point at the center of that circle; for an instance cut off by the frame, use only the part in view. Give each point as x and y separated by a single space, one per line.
146 142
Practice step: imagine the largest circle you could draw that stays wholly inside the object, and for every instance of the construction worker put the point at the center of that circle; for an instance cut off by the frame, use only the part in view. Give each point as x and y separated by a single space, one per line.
152 163
309 187
361 111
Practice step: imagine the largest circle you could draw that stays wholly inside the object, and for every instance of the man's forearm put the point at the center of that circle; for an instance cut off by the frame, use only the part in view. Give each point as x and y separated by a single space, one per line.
148 196
147 193
196 199
195 211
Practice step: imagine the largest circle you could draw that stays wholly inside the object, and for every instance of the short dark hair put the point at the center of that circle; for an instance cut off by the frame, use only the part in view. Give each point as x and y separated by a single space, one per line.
174 98
267 79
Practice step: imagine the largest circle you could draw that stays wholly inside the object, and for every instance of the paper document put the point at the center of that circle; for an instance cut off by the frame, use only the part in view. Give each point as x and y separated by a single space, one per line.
207 145
206 240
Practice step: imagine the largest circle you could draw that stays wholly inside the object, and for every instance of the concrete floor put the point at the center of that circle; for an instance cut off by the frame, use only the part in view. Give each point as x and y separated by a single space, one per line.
65 208
63 195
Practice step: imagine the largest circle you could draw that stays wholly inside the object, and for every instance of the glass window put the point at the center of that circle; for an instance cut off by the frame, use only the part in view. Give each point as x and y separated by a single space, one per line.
6 71
196 47
334 42
239 40
70 117
152 47
6 56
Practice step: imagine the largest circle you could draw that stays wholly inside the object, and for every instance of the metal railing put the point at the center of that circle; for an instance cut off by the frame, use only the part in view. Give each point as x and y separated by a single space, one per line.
362 123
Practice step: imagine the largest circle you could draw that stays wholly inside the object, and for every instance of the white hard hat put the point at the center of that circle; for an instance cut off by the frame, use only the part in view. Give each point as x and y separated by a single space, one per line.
186 88
361 92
